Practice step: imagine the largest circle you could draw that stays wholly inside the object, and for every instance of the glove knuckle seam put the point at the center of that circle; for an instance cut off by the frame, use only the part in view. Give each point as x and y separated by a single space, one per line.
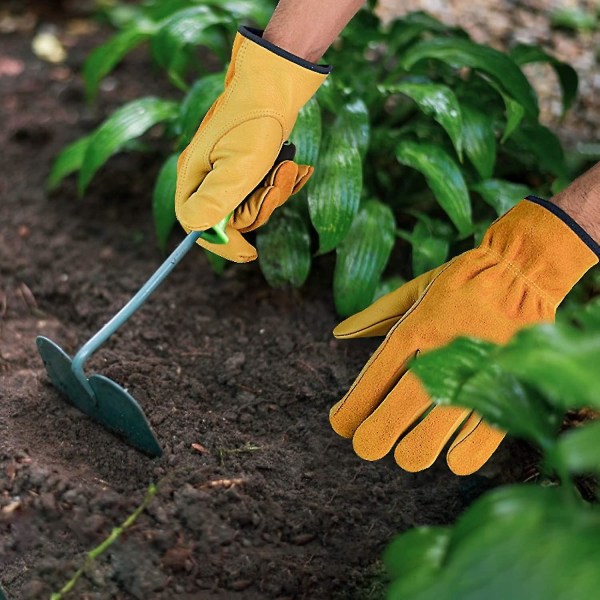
515 269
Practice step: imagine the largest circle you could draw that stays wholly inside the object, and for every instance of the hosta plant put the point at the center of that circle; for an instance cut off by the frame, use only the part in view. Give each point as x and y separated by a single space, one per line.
420 135
523 541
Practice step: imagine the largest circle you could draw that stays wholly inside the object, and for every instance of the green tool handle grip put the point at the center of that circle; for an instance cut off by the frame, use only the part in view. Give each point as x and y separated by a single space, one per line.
215 234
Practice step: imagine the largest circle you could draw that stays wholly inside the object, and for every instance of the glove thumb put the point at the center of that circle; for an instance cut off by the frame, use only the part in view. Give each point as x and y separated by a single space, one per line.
383 314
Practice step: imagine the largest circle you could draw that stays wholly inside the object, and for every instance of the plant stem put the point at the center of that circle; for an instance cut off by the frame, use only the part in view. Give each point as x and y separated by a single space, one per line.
111 539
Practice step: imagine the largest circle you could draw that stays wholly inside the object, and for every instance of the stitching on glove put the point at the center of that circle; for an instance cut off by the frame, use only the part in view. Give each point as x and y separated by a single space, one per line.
515 269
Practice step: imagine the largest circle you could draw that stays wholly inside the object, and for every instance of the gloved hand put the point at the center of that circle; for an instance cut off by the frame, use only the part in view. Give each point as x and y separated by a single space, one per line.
239 139
526 264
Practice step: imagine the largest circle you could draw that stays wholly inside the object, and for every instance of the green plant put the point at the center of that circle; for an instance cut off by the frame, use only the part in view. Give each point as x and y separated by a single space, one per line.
115 534
521 541
420 134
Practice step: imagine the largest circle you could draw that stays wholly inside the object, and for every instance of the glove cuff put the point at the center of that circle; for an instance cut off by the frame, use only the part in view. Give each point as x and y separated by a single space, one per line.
256 35
544 245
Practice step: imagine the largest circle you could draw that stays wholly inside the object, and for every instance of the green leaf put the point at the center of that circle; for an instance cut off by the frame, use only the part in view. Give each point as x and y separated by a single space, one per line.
559 360
578 450
106 57
430 240
334 192
163 200
362 257
438 101
430 245
540 142
524 54
68 161
284 249
518 542
501 195
464 373
197 103
306 134
515 112
479 140
125 124
192 26
217 263
443 176
414 558
465 53
353 124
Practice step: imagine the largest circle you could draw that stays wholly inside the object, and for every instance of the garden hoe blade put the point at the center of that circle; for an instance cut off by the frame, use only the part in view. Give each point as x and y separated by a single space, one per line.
99 397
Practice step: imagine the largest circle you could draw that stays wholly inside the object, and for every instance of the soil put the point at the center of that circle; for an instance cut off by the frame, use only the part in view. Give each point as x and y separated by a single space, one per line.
258 499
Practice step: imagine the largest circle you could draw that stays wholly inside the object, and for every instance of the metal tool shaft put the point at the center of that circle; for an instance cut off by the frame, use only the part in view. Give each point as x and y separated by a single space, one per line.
96 341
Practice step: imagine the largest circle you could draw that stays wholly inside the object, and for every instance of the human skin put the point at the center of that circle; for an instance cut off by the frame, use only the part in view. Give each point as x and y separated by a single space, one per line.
294 28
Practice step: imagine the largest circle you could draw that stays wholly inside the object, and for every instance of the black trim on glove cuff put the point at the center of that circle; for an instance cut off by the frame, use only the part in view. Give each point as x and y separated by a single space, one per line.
256 36
585 237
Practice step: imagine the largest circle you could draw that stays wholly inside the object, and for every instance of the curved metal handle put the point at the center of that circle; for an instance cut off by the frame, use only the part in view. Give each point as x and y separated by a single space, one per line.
215 235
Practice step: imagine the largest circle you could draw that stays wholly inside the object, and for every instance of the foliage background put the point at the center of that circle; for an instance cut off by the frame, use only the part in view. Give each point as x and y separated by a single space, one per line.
421 135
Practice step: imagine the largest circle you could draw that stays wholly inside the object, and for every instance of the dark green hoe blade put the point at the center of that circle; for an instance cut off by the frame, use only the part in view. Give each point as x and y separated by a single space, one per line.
112 406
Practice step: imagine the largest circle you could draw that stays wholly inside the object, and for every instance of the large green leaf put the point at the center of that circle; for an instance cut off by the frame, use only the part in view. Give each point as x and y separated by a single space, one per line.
524 54
543 144
196 104
521 542
443 176
362 257
500 194
479 140
577 450
307 133
465 53
334 192
107 56
438 101
413 559
124 125
68 161
464 373
352 122
163 200
525 386
194 26
284 249
560 360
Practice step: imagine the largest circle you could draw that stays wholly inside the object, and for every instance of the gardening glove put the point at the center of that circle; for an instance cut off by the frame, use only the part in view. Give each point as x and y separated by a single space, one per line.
239 140
526 264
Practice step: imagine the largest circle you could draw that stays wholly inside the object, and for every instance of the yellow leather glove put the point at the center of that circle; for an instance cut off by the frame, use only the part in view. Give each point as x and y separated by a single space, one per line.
526 264
239 139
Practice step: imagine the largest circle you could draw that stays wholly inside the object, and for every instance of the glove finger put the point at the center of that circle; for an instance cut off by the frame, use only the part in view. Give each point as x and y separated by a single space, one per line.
419 449
237 249
208 190
378 433
383 314
257 209
473 446
284 177
305 172
377 378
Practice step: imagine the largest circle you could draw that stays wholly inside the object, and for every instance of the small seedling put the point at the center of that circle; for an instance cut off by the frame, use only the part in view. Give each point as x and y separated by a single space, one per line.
115 534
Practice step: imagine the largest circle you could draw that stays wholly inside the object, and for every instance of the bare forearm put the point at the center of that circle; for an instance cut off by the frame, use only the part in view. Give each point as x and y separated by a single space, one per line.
581 201
307 28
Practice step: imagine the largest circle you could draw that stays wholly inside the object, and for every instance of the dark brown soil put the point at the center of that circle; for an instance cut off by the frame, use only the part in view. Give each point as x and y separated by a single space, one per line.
273 504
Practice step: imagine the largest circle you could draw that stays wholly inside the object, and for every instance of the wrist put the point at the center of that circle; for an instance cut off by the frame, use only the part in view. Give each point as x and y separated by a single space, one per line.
258 37
296 45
